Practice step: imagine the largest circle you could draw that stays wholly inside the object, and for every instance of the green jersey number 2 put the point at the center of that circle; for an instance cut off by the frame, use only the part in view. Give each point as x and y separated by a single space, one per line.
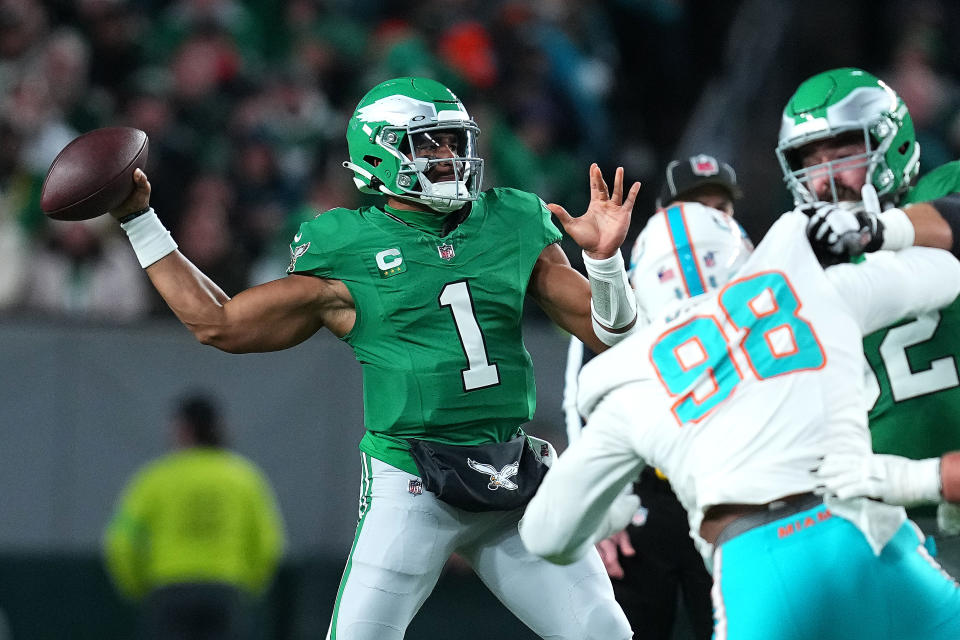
905 383
480 373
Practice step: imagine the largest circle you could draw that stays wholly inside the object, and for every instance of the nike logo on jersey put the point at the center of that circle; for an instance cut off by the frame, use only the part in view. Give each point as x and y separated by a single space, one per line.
297 237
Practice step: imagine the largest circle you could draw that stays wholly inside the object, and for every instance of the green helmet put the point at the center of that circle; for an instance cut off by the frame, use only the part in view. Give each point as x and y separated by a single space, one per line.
388 127
844 102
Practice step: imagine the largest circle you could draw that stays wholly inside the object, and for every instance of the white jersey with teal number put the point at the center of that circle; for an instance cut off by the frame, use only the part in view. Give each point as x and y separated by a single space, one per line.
744 389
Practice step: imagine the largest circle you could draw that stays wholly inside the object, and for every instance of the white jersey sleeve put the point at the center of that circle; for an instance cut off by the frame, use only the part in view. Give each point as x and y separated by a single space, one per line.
738 394
581 500
891 286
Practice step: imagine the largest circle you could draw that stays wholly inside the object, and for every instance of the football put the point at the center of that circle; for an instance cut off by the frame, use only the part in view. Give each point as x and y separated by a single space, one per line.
94 173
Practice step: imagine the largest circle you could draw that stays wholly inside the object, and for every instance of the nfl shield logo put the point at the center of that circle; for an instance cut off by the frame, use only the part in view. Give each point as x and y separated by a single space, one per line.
704 165
710 258
415 487
446 251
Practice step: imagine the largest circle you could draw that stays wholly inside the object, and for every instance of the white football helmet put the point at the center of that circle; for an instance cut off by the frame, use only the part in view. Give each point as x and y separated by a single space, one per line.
684 251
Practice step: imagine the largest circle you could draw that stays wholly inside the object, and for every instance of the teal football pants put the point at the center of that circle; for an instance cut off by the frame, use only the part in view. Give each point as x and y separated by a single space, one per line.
813 575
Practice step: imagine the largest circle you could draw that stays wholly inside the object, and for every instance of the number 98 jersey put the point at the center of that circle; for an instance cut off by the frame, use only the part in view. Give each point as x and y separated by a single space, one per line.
438 318
738 393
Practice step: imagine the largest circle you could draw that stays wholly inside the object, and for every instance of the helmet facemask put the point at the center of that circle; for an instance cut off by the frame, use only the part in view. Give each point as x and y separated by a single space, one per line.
799 178
448 155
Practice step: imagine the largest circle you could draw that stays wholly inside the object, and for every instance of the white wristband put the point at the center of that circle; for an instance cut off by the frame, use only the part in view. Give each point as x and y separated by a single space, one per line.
613 303
150 239
920 482
898 231
611 338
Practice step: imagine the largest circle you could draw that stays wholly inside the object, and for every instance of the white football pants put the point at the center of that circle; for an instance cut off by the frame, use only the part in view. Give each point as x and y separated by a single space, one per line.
404 538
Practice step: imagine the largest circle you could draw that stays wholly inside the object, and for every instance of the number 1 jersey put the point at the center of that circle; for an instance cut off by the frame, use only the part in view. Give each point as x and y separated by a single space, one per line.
438 318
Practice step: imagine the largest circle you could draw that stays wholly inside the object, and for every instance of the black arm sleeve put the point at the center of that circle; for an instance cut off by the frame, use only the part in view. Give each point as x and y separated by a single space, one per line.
949 209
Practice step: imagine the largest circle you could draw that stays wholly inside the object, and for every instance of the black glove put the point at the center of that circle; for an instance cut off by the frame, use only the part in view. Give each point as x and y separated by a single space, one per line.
838 232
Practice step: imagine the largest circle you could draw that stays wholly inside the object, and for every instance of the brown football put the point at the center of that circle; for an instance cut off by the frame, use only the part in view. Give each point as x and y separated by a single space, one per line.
94 173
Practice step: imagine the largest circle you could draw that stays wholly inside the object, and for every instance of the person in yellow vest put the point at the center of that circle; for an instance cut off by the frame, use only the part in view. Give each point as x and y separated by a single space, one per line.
196 535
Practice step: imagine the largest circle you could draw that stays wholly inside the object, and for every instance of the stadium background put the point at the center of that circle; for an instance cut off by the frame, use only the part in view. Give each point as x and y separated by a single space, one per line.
246 104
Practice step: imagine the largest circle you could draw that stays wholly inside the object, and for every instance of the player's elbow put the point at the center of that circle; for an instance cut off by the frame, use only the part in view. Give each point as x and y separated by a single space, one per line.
217 337
554 551
206 334
546 543
562 556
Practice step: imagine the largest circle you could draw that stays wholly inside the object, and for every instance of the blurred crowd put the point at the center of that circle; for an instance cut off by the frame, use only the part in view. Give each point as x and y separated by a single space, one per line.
246 102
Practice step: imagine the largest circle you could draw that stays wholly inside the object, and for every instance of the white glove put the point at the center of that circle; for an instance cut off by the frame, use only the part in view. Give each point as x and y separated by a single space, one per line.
893 479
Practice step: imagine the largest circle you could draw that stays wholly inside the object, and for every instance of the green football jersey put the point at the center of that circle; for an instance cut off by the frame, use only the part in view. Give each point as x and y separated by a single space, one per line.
915 363
438 326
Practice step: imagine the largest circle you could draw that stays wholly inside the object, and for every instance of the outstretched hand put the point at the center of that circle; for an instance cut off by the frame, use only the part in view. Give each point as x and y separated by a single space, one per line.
138 199
602 229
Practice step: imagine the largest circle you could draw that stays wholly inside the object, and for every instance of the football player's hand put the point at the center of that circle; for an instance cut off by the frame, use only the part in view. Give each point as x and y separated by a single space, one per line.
840 231
893 479
138 199
836 231
602 229
610 551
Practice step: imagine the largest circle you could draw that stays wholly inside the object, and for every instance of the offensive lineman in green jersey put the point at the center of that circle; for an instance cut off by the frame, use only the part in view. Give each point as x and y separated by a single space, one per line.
844 130
428 290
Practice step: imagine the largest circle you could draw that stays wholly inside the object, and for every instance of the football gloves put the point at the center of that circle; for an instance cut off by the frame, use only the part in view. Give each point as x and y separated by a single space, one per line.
893 479
839 231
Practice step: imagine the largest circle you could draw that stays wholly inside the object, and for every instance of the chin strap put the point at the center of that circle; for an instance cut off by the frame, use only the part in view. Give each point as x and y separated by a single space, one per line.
372 179
439 203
